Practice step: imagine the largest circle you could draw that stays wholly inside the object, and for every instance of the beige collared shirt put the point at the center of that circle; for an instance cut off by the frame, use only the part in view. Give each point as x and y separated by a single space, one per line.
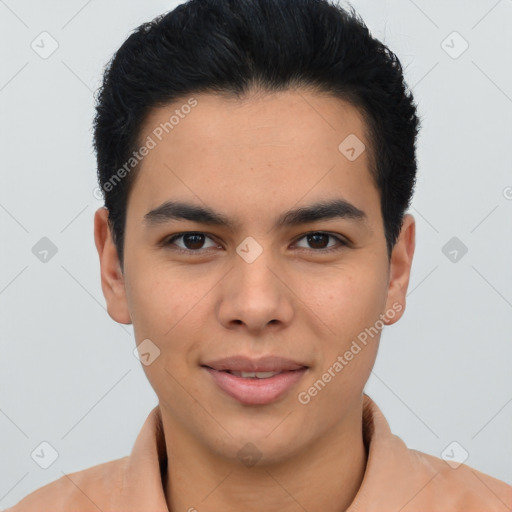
396 479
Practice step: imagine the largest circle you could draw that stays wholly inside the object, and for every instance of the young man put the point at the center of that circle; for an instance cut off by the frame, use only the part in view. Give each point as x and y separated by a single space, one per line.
257 159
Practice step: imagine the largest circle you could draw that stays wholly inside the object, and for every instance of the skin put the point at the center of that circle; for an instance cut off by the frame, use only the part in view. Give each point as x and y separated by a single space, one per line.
252 160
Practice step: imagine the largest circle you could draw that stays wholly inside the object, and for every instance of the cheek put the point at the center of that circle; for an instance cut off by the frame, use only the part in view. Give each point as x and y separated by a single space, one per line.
346 298
152 305
166 306
351 307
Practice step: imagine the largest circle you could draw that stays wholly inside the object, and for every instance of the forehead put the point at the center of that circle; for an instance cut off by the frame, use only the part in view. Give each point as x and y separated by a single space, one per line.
269 149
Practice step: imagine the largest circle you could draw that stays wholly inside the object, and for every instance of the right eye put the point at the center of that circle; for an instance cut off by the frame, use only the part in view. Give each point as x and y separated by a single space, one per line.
192 242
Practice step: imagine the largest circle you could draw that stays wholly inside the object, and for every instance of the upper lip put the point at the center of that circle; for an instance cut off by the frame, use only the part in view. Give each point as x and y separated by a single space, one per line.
247 364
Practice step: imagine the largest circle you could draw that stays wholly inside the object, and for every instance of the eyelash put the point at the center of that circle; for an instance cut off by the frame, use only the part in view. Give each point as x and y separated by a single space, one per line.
341 241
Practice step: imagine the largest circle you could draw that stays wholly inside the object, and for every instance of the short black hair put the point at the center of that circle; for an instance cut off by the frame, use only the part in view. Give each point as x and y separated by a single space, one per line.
233 47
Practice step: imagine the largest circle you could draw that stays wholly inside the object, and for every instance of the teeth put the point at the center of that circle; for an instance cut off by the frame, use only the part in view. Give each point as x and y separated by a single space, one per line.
257 375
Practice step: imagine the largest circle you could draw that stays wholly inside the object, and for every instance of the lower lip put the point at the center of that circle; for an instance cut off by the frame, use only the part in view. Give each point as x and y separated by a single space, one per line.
254 391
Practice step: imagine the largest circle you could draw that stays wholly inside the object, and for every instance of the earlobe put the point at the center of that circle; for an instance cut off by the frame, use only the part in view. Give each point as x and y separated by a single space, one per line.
112 279
400 270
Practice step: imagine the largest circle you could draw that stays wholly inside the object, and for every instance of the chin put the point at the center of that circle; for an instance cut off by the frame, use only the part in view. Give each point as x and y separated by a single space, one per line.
260 447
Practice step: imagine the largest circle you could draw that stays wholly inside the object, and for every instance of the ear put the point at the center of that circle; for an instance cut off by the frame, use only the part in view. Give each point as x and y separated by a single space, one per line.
112 279
400 270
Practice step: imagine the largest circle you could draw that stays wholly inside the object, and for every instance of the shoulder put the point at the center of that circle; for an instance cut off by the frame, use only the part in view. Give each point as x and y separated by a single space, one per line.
460 487
85 490
131 483
400 478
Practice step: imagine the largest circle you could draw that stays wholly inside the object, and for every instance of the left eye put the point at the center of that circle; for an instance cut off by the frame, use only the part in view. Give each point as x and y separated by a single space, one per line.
193 242
318 238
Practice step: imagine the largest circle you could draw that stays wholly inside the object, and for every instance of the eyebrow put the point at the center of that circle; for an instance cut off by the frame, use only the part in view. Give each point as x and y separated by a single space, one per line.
323 210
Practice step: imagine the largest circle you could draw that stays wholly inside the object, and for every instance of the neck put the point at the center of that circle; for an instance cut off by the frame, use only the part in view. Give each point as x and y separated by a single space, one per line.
325 475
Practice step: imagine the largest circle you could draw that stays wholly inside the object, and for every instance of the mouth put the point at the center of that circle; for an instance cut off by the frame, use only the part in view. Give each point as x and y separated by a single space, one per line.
241 363
255 382
252 375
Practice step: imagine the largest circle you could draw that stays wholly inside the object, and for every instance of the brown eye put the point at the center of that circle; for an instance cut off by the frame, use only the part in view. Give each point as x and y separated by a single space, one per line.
318 241
191 242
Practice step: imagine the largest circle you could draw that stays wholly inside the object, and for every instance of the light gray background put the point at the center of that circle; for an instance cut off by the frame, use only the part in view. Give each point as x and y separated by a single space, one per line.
68 373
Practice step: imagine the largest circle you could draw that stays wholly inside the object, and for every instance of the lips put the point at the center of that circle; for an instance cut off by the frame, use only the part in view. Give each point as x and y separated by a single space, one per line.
255 381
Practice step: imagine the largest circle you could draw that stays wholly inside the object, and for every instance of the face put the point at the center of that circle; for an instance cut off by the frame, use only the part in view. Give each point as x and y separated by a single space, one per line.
262 276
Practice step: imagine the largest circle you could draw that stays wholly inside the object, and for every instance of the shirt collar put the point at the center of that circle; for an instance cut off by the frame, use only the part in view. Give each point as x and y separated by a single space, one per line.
146 466
396 477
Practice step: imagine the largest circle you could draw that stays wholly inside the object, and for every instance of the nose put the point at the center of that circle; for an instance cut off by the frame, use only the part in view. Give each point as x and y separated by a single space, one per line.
255 295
